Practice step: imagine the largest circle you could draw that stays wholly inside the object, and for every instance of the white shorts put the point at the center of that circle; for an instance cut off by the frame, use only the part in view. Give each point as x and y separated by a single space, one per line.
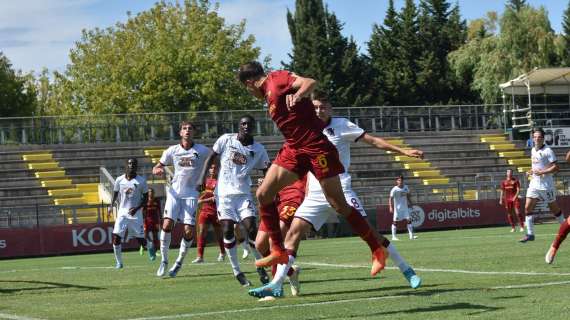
235 207
318 211
547 196
401 215
181 209
133 223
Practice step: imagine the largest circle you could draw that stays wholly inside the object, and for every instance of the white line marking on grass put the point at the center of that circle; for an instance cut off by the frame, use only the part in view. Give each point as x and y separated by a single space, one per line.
532 285
319 264
308 304
15 317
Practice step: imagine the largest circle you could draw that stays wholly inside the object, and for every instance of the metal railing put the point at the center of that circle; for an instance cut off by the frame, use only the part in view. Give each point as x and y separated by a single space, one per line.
164 126
485 188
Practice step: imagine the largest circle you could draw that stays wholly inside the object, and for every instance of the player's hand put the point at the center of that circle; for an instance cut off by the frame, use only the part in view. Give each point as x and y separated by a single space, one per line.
158 171
291 100
259 181
109 212
501 202
391 210
413 153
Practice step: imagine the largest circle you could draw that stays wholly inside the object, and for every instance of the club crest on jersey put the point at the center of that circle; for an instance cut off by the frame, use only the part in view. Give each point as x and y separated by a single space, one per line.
238 158
329 131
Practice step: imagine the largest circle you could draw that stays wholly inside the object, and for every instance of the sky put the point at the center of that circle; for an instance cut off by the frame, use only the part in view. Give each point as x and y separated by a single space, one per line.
40 33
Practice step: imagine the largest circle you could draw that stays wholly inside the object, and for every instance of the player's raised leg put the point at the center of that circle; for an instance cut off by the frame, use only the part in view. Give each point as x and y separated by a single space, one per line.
275 179
376 242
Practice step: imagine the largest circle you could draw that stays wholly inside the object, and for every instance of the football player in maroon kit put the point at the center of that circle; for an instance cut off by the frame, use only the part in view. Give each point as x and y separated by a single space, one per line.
306 149
152 217
288 200
208 215
510 189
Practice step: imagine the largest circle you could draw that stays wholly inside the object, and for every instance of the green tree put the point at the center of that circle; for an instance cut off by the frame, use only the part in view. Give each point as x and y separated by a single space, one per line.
441 31
17 93
565 38
519 48
172 57
321 51
384 53
516 5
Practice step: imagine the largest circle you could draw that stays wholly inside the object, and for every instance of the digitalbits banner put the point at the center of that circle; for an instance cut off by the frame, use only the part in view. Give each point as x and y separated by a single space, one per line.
441 215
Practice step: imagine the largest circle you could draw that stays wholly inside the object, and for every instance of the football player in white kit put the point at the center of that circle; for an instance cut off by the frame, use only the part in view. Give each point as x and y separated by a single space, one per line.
400 204
315 209
541 186
182 196
238 155
132 191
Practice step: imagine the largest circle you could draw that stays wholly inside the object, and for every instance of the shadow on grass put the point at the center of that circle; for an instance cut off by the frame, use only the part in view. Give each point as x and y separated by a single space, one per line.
421 292
41 285
458 306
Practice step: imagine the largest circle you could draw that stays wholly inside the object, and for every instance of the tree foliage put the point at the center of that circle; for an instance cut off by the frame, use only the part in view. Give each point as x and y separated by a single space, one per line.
518 48
321 51
564 52
17 93
172 57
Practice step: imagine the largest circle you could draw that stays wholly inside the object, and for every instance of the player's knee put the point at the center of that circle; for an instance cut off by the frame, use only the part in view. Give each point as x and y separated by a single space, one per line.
116 240
263 197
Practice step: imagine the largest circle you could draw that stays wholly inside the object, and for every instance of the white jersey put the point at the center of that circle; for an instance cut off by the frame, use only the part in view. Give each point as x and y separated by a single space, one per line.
400 197
236 163
188 166
541 159
130 191
341 132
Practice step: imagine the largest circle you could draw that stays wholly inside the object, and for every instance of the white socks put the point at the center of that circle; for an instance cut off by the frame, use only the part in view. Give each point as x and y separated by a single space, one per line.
118 253
184 246
529 222
165 244
410 230
232 254
394 231
282 270
397 259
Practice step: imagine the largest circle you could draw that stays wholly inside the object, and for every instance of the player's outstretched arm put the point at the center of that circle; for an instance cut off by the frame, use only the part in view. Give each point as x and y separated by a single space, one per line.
304 86
380 143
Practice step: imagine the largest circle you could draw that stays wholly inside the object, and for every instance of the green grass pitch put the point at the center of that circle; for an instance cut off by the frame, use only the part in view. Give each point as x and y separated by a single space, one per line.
467 274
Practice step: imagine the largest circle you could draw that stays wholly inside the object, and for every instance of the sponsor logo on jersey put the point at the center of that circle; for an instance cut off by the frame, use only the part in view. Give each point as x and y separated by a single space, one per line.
238 158
186 162
329 131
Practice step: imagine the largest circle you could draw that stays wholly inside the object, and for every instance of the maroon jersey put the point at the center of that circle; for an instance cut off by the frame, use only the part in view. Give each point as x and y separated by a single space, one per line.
300 126
152 211
210 206
510 188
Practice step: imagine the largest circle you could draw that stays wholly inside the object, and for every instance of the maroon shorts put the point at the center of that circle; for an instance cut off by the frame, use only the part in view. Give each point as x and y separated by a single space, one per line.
512 204
286 214
208 217
151 225
320 158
